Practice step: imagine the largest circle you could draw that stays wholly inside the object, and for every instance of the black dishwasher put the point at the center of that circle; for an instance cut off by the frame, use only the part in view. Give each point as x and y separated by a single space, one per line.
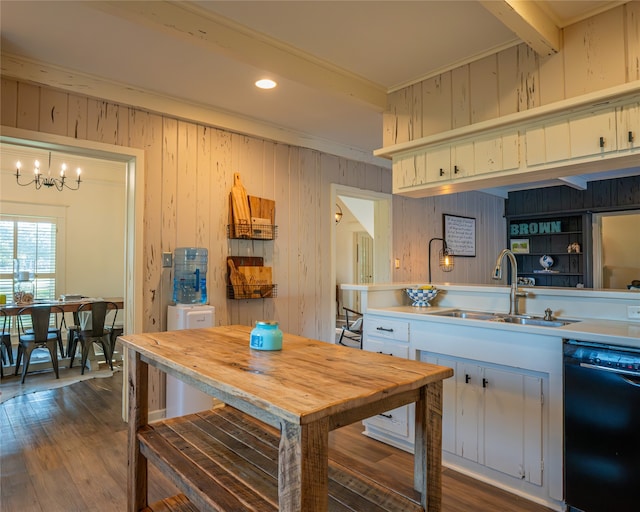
601 427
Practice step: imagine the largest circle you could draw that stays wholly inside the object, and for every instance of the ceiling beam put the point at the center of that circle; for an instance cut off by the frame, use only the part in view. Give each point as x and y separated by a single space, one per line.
529 22
577 182
196 25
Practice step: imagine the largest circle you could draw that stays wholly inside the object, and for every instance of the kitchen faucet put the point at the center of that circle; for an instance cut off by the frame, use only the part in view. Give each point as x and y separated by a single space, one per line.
497 274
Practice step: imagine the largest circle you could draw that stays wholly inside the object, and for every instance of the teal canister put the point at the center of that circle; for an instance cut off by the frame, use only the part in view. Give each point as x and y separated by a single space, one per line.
266 336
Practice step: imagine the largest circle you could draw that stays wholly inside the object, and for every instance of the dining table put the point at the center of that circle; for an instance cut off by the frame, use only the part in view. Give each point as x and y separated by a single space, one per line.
266 448
68 306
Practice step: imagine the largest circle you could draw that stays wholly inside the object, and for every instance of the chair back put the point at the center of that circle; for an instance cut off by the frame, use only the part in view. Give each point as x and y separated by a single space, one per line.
99 311
40 319
3 313
60 321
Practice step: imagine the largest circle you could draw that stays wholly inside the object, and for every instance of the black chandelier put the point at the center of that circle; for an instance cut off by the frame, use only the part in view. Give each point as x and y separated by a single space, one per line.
48 181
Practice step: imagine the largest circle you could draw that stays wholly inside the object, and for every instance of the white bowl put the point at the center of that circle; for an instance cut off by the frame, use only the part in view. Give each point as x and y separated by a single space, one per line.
421 297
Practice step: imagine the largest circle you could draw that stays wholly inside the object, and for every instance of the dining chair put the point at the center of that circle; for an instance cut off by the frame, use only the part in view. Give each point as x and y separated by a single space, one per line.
57 327
96 333
352 330
3 345
6 352
36 336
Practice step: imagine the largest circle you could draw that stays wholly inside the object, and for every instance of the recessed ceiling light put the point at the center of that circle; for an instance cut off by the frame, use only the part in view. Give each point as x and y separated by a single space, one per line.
265 83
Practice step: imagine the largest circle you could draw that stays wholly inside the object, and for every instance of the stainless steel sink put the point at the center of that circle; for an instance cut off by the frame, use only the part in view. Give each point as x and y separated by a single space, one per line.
499 317
472 315
535 321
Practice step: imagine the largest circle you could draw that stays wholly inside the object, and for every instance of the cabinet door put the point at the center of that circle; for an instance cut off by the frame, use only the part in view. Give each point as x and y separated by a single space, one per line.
628 120
439 164
593 133
468 406
533 404
513 414
448 401
497 153
406 169
547 143
462 160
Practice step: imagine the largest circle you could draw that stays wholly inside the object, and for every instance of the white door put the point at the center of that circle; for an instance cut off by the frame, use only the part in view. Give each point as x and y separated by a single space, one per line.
364 262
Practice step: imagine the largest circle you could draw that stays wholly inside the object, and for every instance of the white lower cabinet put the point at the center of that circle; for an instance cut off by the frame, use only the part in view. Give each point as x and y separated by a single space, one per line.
391 337
493 416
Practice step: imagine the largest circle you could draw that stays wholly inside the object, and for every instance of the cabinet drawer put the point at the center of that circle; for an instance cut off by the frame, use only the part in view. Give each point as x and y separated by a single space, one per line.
388 328
395 421
390 348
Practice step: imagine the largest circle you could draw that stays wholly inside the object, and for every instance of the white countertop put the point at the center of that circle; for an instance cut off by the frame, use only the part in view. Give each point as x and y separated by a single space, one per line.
501 289
614 332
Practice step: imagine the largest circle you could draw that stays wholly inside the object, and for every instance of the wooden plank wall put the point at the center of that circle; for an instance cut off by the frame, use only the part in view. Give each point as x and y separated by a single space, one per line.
416 221
188 177
600 196
598 53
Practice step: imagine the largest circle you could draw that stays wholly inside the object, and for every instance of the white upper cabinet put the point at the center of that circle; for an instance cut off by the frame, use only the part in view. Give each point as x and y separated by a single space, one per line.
497 153
548 142
450 162
628 126
593 133
520 152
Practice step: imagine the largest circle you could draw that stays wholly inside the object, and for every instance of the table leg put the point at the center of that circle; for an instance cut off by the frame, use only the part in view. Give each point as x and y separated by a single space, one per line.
138 379
303 467
428 447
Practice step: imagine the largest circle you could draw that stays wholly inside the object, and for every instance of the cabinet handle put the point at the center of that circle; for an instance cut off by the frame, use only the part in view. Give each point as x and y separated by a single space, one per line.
467 378
601 142
384 353
455 169
388 416
630 137
485 383
441 171
384 329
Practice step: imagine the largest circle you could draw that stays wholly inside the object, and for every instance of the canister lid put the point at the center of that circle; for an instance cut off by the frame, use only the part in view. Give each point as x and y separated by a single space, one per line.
266 322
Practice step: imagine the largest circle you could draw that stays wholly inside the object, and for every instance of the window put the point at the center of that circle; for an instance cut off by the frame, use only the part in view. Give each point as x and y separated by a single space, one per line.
31 241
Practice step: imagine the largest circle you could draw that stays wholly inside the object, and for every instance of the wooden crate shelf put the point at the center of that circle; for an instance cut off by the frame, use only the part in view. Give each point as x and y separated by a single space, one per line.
223 460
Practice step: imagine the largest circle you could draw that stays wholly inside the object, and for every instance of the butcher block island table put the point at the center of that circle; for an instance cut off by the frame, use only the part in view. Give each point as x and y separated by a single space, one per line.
267 447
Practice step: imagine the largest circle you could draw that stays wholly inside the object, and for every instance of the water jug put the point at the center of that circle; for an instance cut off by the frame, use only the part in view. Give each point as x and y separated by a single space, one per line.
190 275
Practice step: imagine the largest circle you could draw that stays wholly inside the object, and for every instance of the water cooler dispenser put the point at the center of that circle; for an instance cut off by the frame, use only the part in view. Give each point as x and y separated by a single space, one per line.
189 312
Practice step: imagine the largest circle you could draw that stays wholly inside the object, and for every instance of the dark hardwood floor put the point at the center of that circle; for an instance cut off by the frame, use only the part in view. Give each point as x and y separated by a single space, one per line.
66 450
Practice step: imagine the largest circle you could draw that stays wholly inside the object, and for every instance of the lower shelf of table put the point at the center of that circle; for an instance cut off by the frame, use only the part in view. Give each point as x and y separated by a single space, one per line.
225 460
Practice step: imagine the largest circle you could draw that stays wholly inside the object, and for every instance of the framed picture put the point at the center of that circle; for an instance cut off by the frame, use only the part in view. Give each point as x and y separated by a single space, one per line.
519 245
460 234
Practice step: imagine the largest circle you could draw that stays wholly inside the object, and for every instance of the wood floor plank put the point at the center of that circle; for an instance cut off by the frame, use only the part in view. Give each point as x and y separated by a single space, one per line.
66 449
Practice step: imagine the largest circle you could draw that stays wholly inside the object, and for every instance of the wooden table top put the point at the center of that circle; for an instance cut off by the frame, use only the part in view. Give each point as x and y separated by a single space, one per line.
305 381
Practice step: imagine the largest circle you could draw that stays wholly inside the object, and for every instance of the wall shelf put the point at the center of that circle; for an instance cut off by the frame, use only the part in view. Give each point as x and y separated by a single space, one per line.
252 231
570 269
249 291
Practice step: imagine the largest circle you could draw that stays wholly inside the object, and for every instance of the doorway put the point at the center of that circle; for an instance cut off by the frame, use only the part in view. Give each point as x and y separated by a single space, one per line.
361 242
134 160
